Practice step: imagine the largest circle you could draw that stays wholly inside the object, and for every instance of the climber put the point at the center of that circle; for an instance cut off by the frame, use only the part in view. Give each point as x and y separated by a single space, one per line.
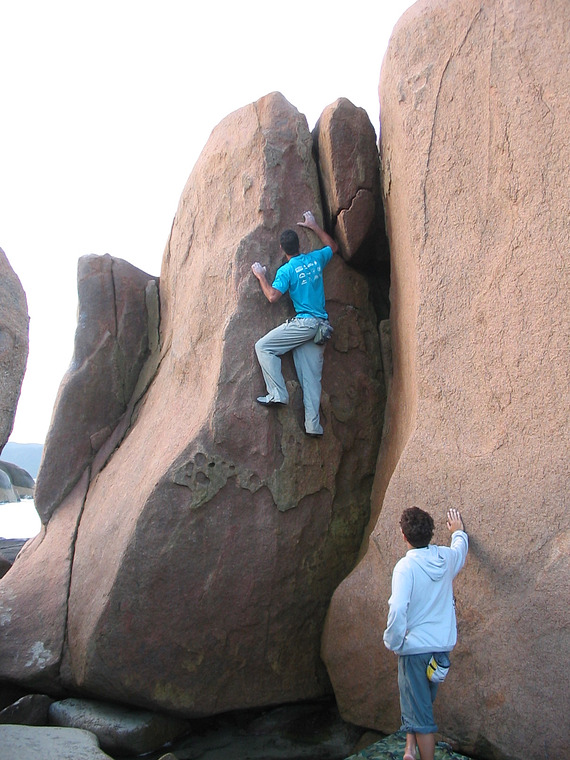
302 277
421 626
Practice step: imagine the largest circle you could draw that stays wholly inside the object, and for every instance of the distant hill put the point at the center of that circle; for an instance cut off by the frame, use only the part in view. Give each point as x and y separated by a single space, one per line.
25 455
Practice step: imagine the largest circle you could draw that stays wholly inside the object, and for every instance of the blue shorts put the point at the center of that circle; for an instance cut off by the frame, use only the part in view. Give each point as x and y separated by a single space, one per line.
417 694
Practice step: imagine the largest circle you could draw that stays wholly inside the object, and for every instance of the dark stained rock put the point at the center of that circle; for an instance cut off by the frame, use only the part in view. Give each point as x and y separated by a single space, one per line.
120 730
5 565
31 710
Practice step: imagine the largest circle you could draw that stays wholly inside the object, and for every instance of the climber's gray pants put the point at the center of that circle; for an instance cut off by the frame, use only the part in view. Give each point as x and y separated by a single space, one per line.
295 335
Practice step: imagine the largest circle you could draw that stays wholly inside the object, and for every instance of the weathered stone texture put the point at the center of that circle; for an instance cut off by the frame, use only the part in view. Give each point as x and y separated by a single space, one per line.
120 730
31 710
207 547
49 743
34 599
112 342
345 143
14 322
475 104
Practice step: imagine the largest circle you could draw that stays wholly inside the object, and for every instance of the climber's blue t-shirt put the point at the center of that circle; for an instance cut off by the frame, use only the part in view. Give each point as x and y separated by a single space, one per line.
302 276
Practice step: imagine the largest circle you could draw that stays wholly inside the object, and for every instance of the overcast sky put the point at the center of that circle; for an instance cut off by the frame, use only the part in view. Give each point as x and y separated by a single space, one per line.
106 106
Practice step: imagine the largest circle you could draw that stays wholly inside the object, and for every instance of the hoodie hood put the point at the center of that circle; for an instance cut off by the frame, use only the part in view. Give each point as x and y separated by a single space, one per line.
422 612
430 561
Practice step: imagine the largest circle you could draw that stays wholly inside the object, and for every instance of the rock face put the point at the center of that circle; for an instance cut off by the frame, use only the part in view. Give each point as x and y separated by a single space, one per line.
349 173
13 345
345 142
31 710
475 151
119 730
191 569
32 645
31 742
117 318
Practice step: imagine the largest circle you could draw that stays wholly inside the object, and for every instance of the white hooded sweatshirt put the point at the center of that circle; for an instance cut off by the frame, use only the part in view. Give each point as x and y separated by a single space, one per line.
422 608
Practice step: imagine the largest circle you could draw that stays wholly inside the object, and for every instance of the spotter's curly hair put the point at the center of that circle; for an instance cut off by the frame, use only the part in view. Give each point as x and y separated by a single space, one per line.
417 526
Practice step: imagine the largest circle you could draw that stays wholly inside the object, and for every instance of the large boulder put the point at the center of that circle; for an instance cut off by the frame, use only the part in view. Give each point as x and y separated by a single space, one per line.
196 565
113 340
120 730
14 322
475 103
345 143
31 710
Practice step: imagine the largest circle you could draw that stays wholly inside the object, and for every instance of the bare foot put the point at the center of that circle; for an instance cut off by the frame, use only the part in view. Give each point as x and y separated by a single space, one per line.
410 748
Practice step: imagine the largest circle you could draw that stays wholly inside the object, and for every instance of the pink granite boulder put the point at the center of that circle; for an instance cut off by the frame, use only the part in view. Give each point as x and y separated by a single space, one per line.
475 111
112 343
207 544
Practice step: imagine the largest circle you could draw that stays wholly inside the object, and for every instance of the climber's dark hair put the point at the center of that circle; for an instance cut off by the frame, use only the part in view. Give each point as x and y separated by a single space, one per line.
417 526
289 241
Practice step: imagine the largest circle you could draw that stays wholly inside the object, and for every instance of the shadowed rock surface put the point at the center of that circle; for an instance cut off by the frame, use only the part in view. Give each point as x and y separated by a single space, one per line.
119 729
307 731
475 110
14 322
31 710
112 342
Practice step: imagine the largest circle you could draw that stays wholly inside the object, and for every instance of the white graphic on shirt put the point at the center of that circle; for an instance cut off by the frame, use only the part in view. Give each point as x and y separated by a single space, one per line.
308 272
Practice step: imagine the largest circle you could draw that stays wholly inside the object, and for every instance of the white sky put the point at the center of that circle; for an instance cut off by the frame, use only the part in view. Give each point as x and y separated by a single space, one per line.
106 105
